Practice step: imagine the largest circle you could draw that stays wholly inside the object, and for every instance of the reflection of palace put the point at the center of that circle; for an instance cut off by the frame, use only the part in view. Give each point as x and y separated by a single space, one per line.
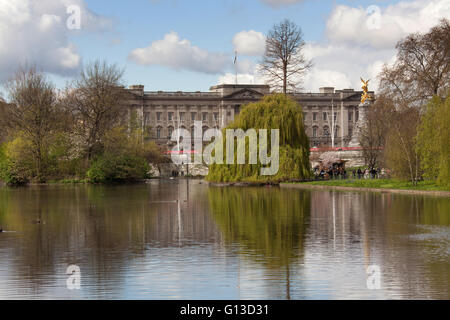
163 112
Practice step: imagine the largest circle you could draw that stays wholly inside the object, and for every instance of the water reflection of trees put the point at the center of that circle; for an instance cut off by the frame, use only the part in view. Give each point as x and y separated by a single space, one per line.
415 243
407 236
106 229
100 228
268 226
264 221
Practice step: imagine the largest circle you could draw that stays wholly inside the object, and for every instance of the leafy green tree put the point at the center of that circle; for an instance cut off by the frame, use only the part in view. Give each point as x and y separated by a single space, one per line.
125 156
373 134
34 115
3 128
95 101
276 111
433 140
422 67
400 153
17 166
421 71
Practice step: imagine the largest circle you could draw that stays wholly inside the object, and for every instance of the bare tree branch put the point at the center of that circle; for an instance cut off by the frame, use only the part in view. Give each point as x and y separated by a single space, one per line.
283 63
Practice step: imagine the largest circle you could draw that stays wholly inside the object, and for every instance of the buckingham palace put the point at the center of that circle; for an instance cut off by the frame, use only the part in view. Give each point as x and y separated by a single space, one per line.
163 112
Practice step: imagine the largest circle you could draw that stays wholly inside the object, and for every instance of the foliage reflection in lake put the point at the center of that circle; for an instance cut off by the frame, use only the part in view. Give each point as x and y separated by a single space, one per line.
182 239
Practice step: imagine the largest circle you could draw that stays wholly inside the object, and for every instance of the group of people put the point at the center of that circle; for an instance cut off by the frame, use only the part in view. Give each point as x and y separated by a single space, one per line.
339 172
367 173
332 172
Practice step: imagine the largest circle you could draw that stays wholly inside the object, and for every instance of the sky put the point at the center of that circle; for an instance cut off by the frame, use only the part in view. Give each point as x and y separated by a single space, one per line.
189 45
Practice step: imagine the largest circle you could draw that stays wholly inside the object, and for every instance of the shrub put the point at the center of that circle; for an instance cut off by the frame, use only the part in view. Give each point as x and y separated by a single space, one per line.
16 162
111 168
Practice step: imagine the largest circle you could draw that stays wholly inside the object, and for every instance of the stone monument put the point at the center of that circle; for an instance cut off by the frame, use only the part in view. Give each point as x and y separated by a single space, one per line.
366 101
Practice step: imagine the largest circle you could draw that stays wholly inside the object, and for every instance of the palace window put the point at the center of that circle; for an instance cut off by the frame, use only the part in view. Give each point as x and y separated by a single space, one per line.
158 132
146 119
158 116
181 116
170 116
314 116
216 116
193 116
170 131
315 132
205 116
325 116
350 116
326 131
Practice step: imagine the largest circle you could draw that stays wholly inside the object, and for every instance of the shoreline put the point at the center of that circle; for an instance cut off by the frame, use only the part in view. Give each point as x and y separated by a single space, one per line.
288 185
241 184
85 182
285 185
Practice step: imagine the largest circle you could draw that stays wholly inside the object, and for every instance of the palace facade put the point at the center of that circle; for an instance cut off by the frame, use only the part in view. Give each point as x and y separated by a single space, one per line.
163 112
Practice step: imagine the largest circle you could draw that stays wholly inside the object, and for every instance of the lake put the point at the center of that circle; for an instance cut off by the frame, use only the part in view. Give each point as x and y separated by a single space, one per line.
180 239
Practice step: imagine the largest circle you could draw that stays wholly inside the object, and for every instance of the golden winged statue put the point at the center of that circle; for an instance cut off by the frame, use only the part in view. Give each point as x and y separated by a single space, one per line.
365 96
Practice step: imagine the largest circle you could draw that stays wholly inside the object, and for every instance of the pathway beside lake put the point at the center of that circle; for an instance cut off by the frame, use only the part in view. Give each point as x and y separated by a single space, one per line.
305 185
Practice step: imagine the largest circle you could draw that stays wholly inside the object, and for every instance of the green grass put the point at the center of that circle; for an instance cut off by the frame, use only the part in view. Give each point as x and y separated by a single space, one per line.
381 184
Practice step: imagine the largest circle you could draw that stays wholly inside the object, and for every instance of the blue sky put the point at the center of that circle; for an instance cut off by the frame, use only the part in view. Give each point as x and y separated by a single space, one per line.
188 44
207 24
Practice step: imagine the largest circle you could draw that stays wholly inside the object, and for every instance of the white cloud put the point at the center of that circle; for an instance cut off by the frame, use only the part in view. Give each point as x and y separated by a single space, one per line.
318 77
249 43
343 59
383 28
247 74
243 78
35 33
245 66
354 48
355 45
180 55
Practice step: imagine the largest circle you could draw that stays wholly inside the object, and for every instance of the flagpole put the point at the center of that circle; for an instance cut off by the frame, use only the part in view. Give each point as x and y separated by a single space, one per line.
235 66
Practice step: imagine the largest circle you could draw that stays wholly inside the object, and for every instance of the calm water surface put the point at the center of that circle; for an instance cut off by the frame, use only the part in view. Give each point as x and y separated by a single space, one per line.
181 239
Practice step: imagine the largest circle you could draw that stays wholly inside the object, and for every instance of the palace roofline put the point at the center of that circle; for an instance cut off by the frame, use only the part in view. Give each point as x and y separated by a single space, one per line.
231 91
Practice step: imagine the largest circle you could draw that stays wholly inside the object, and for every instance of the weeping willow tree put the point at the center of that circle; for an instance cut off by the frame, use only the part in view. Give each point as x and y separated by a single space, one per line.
276 111
433 141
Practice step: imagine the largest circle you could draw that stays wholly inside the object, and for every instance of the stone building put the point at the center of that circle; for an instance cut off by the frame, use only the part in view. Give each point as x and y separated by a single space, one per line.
163 112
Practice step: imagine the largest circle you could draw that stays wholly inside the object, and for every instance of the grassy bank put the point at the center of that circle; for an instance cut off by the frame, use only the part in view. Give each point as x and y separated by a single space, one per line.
380 184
